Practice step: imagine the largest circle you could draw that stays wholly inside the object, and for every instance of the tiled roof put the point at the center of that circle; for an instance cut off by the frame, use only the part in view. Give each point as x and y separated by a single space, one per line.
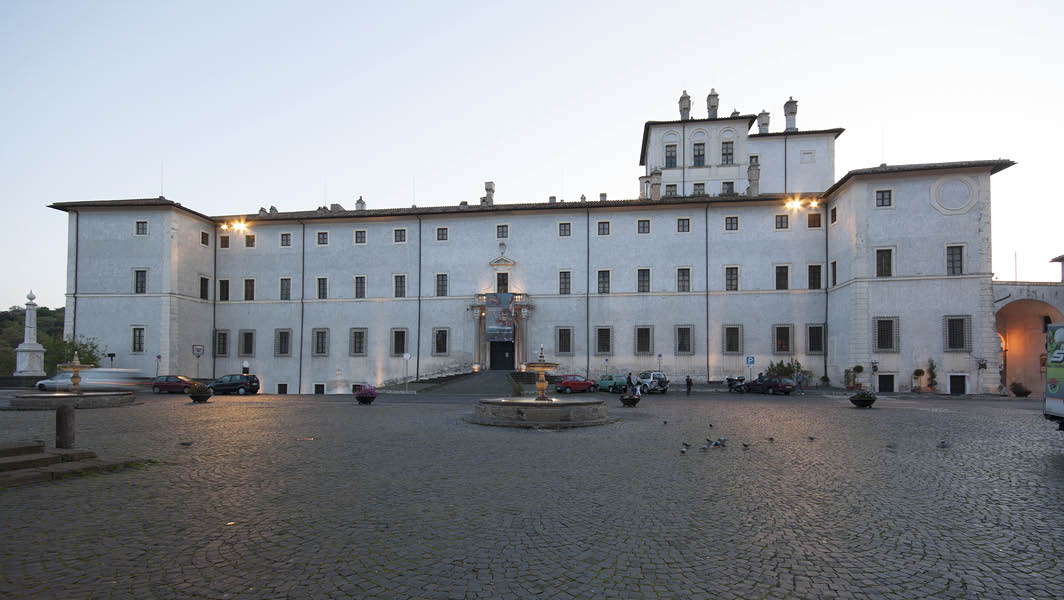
994 166
837 131
147 202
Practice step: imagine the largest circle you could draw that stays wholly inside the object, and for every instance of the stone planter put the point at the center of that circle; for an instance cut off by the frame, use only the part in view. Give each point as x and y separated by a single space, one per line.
365 399
629 401
199 397
863 399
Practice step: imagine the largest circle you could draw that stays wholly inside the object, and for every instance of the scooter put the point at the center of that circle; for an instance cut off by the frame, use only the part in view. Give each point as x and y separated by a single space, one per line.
736 384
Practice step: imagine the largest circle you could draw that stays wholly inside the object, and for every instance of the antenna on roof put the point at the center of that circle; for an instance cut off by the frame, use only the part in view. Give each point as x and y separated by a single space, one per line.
161 179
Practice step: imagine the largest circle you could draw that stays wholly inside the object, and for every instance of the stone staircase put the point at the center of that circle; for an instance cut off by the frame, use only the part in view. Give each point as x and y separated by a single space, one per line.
30 462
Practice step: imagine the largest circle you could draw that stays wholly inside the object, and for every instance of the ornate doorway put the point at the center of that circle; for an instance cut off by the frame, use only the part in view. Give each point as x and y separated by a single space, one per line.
502 356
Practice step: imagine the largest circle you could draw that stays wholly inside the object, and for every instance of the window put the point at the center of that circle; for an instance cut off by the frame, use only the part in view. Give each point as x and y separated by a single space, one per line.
685 335
727 188
282 389
957 333
249 290
323 288
834 274
683 279
360 286
319 339
323 238
603 282
643 226
398 342
360 236
221 343
670 156
565 280
783 222
141 228
700 155
727 153
286 240
502 231
286 288
886 334
603 340
138 339
399 236
223 290
814 337
731 223
140 281
683 225
814 277
204 288
883 262
247 343
644 337
781 339
282 342
954 260
782 277
249 240
733 339
563 343
357 345
319 389
883 198
204 238
441 284
441 234
834 215
642 277
670 189
439 341
700 189
813 221
565 229
755 159
502 283
603 227
731 279
223 241
400 286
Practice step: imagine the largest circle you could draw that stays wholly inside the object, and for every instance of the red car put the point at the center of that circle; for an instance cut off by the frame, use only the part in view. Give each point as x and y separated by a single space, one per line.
574 383
171 383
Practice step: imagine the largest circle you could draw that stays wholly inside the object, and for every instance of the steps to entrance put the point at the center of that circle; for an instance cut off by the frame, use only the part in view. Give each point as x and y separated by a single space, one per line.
484 383
34 447
27 463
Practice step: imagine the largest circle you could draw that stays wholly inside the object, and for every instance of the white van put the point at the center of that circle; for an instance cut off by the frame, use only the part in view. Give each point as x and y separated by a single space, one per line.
94 380
1054 403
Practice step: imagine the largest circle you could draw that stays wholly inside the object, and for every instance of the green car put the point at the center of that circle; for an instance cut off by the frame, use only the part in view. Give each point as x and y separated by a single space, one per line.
613 382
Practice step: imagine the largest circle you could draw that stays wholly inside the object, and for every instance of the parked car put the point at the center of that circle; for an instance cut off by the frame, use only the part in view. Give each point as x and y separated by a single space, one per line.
613 382
95 380
171 384
772 385
59 383
653 381
362 389
574 383
240 384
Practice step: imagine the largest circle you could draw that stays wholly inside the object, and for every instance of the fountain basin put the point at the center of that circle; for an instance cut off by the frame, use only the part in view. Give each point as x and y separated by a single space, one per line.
52 401
552 413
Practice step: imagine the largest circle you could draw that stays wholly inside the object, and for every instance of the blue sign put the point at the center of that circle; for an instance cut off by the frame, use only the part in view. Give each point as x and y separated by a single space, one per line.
750 361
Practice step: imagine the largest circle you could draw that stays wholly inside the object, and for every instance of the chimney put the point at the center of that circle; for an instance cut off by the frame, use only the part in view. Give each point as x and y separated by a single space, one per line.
712 102
489 194
685 106
753 173
360 204
552 199
644 187
583 198
790 110
273 210
336 208
655 185
735 112
602 197
762 122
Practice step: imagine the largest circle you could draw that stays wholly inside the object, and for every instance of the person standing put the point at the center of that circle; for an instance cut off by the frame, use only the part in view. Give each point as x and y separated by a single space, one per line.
800 379
629 385
689 383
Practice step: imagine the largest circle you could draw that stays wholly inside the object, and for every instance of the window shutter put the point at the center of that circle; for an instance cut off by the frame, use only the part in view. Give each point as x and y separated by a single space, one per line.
276 342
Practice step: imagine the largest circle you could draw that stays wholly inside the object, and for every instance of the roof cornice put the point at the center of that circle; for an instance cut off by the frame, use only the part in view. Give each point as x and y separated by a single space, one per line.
993 165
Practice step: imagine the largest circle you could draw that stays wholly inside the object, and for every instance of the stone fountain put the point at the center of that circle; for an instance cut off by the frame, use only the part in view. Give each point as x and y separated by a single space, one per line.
541 412
75 397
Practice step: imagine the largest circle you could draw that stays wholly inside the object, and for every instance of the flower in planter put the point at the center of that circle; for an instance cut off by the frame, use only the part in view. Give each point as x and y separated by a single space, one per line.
863 399
199 392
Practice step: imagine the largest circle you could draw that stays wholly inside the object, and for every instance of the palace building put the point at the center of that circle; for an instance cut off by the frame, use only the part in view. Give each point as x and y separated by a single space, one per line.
742 242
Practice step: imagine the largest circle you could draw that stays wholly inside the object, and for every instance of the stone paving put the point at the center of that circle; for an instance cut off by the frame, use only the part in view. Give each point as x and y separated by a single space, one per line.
317 497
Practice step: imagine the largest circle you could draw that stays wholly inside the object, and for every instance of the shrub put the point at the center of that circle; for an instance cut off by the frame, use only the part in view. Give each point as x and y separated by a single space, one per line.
825 380
931 380
858 369
1019 389
198 389
864 395
918 373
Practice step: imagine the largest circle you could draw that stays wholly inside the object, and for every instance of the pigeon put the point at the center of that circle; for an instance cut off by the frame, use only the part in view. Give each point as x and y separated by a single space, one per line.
892 445
943 444
812 439
186 443
683 450
771 439
746 446
664 422
718 445
685 444
704 448
711 425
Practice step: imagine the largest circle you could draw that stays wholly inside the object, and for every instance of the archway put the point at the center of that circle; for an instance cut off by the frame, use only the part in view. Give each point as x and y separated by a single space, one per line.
1021 325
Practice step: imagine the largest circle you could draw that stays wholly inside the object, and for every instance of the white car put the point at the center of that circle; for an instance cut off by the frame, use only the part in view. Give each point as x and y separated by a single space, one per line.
95 380
653 381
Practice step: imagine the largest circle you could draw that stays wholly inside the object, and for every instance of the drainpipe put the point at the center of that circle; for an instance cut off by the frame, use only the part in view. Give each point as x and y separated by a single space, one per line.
827 289
587 296
302 278
77 239
214 308
417 361
706 221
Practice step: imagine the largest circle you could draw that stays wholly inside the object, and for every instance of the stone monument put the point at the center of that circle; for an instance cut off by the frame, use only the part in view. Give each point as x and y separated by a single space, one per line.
29 356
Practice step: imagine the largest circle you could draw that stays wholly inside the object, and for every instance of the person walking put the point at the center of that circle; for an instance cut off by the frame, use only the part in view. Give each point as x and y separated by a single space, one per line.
800 379
688 382
629 385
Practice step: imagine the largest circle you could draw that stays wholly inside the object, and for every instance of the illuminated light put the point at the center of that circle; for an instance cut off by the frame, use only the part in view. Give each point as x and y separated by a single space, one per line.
813 204
225 226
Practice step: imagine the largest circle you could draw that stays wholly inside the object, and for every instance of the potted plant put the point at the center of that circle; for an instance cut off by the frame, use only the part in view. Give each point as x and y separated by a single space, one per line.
917 374
857 370
932 382
364 393
1019 389
825 380
629 400
863 399
199 392
847 378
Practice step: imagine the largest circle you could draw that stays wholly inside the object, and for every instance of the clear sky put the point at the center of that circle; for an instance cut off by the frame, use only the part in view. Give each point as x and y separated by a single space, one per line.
229 106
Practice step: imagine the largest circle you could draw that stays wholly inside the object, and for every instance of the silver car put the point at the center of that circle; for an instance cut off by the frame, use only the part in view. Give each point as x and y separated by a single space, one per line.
95 380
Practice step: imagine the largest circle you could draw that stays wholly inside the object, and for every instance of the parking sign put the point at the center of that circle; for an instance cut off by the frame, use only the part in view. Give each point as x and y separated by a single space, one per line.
750 361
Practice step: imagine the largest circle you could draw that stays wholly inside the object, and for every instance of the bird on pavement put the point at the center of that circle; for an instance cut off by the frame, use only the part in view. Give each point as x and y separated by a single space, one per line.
771 439
812 439
685 444
943 444
186 443
746 446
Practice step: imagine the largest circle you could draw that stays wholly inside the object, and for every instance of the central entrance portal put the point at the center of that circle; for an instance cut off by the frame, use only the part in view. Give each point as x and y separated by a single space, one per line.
502 356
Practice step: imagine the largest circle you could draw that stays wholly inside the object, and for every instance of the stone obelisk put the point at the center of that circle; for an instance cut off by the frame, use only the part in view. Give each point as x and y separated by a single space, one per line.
29 356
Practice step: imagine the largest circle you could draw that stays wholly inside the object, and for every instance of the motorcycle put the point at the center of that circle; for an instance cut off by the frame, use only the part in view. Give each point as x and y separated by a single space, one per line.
736 384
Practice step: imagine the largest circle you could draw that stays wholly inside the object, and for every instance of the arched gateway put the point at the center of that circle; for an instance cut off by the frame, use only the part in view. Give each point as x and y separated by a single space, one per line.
1023 313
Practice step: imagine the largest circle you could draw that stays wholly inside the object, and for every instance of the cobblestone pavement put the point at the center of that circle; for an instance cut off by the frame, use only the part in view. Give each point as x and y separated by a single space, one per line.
317 497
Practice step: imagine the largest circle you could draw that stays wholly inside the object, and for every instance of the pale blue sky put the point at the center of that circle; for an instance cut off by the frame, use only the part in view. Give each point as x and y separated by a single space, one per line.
251 104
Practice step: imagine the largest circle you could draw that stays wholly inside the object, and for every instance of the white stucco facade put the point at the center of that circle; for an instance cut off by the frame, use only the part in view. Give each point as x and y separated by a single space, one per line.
715 261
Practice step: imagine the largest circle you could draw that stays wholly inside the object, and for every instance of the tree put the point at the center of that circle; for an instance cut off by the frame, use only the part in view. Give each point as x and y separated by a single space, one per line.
59 350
